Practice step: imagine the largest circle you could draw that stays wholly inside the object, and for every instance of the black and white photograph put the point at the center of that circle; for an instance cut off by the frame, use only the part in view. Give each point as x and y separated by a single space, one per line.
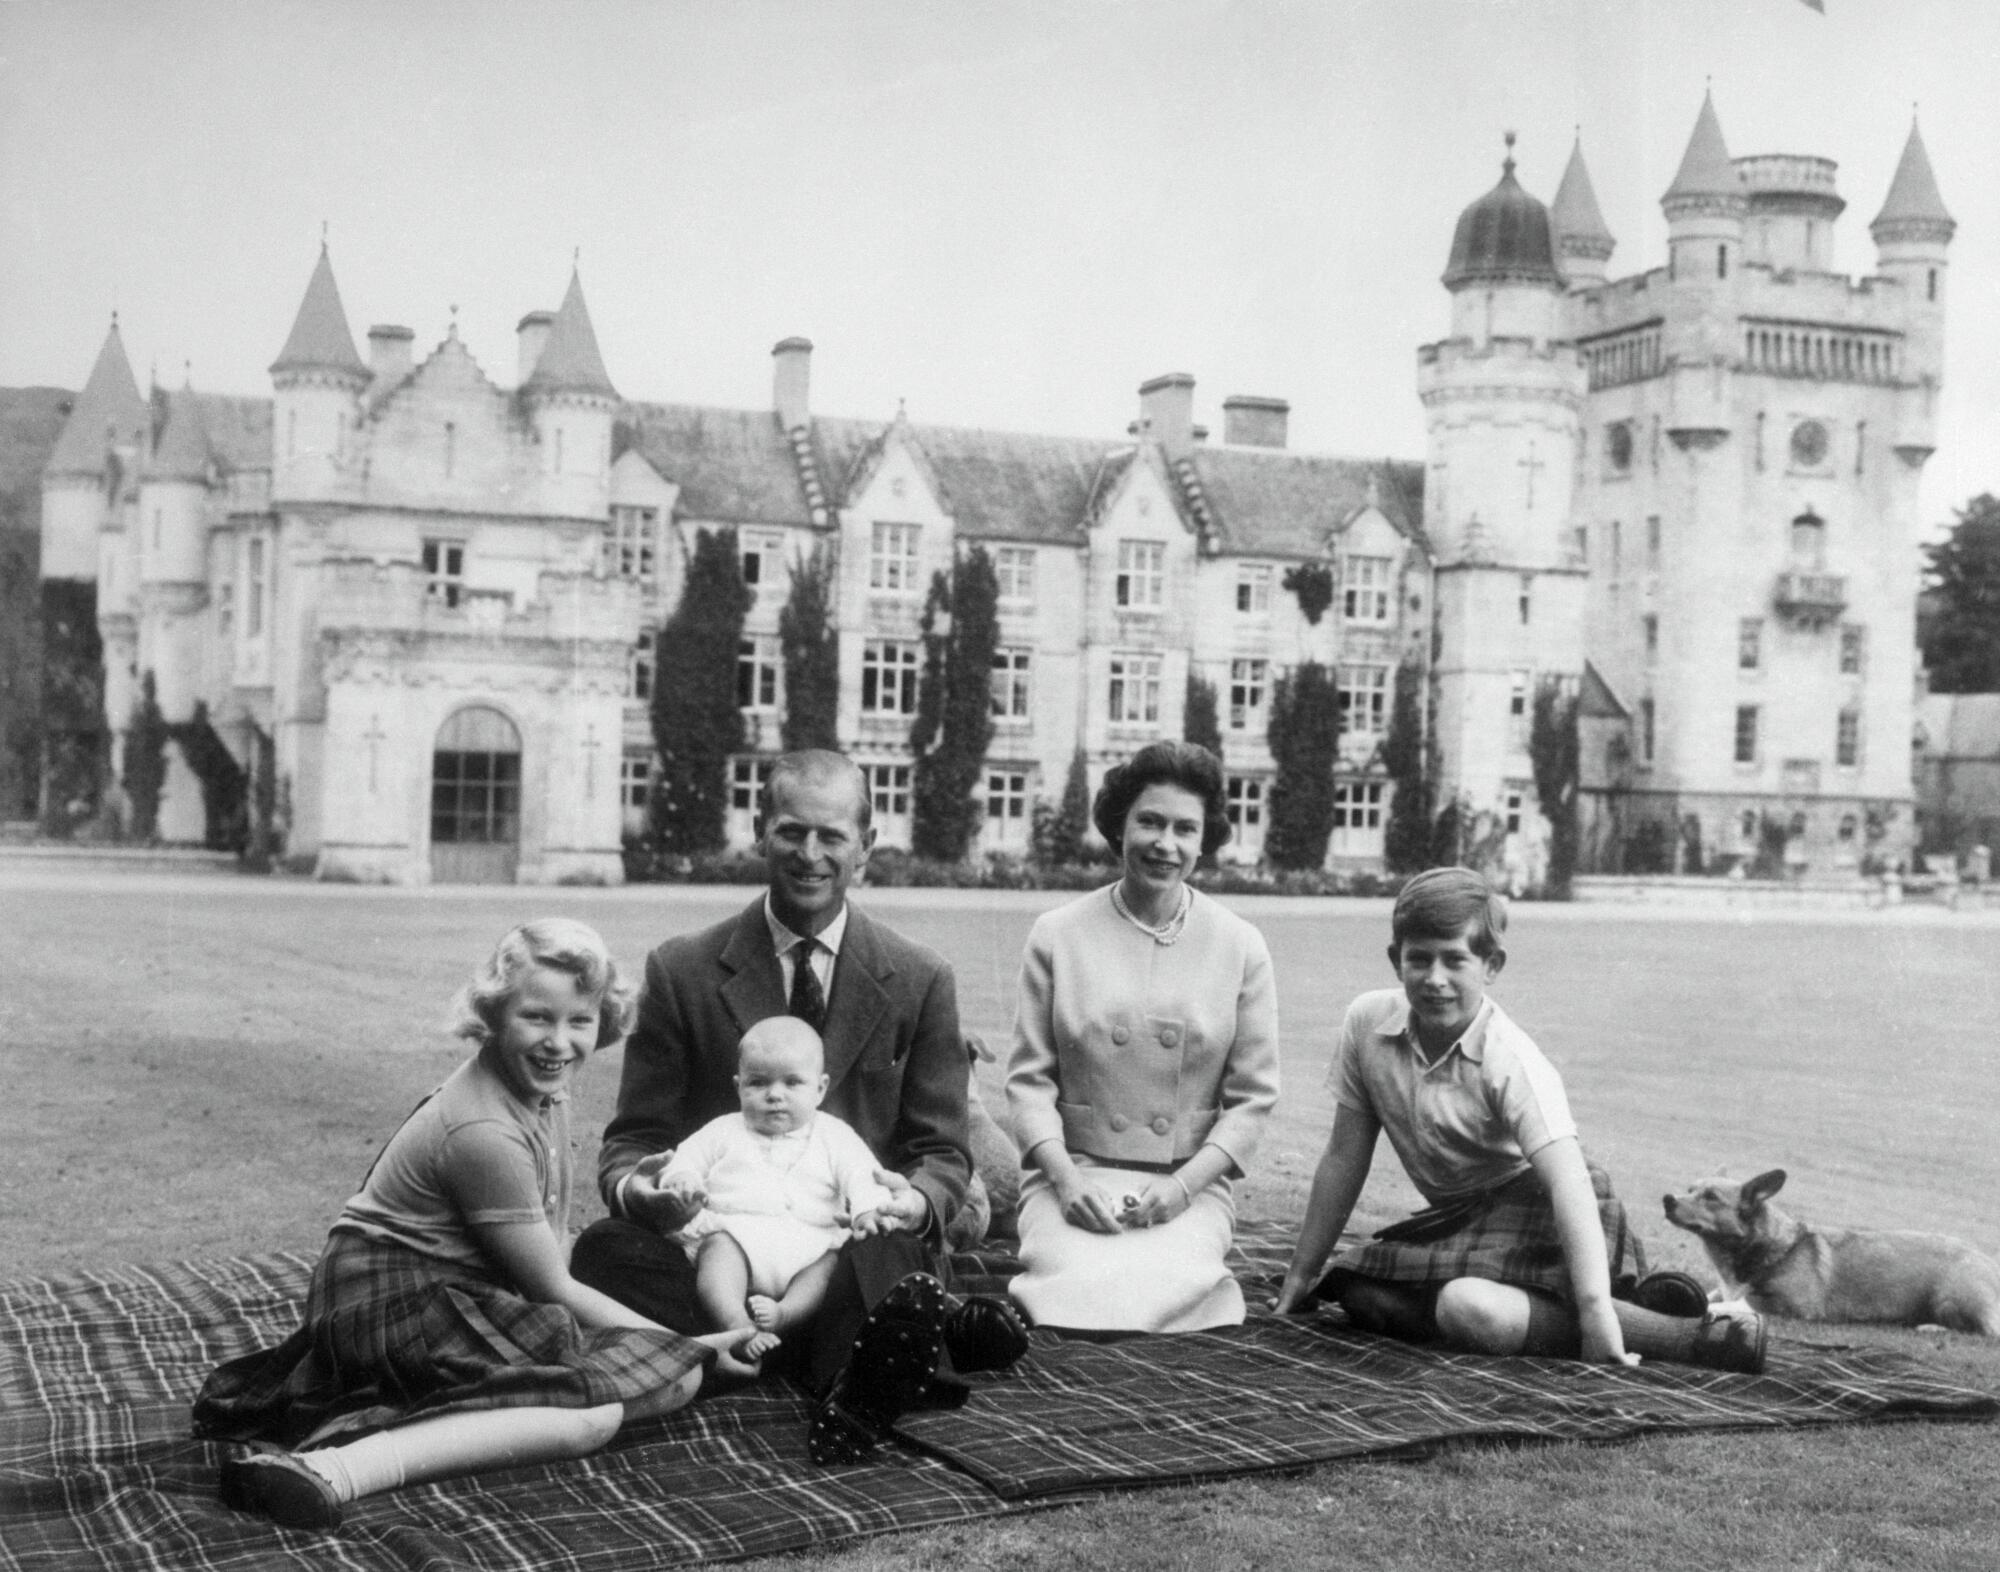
1002 784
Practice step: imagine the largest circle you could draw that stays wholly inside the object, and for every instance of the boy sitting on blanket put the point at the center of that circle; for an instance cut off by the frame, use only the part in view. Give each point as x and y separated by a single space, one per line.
780 1185
1516 1250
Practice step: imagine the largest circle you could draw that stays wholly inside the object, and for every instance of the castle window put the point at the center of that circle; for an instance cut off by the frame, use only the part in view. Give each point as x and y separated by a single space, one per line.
1853 641
1247 682
1652 543
1357 805
889 677
1363 700
1646 734
1243 806
1860 443
892 558
639 667
1253 588
635 780
1134 698
1848 825
757 673
1746 734
762 557
1010 684
1650 627
1930 286
1809 541
1847 739
450 445
632 545
253 587
1527 598
1722 261
1014 567
1517 707
444 571
1366 584
1618 445
748 776
1513 801
888 789
1749 643
1142 573
1007 801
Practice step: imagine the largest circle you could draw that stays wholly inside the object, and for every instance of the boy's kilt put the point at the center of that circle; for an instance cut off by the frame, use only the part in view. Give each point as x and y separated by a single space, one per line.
1506 1235
390 1334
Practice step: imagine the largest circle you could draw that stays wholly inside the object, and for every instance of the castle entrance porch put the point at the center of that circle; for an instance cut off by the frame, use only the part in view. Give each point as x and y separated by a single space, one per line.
476 798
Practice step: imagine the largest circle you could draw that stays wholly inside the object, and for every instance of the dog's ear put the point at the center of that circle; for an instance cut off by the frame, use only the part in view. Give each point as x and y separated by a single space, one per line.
1759 1190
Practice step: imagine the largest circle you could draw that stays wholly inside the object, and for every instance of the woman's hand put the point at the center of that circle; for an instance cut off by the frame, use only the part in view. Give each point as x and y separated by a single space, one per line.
1296 1297
1160 1202
1087 1206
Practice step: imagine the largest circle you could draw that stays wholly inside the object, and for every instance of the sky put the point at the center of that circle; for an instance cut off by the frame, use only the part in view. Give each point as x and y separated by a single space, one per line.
1002 213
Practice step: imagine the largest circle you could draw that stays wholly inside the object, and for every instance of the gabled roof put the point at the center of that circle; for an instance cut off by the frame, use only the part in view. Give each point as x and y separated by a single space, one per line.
109 401
1597 699
180 447
1913 193
1705 167
733 466
1575 216
1281 503
320 339
569 361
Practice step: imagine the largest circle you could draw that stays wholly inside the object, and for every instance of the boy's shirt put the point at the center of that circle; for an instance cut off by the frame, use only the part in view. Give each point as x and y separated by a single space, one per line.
1467 1122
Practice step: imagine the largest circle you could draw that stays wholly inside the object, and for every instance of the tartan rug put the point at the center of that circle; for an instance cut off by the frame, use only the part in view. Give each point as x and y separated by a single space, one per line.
97 1469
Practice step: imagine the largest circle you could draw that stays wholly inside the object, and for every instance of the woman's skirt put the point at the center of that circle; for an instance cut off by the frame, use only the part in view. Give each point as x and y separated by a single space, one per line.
1505 1235
1169 1278
391 1335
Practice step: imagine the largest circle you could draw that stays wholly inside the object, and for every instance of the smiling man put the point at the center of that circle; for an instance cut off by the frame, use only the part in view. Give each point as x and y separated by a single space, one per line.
887 1010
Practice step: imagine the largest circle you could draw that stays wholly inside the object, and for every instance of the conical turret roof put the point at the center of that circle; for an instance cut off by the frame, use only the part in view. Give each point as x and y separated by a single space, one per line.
569 361
109 402
320 338
1577 219
1503 237
1913 193
181 450
1705 167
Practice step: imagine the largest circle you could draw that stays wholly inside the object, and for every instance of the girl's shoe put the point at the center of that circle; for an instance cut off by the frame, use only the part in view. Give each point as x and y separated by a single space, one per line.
290 1493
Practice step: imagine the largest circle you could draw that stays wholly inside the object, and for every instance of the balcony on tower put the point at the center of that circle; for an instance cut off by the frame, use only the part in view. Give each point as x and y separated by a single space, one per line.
1810 598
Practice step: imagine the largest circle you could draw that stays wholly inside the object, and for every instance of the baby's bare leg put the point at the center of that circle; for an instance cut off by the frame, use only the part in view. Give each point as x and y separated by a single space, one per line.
722 1284
802 1296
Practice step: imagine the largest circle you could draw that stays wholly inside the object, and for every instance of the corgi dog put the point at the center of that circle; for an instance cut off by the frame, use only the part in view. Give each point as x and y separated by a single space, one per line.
1785 1267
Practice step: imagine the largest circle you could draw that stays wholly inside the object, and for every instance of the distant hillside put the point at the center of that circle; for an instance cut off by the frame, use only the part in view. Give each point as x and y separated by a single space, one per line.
30 421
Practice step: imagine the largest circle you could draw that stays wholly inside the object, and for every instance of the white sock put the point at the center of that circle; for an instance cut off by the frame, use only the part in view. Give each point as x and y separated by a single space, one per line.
360 1468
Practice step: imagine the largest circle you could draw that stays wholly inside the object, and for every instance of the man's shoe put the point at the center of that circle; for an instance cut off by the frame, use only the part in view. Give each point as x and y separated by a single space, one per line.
1671 1293
290 1493
891 1365
1730 1342
983 1332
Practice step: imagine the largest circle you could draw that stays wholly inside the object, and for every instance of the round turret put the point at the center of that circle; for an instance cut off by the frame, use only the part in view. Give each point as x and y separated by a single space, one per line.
1503 238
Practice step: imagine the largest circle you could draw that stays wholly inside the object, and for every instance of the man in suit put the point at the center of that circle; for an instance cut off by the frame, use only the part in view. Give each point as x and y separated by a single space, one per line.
887 1009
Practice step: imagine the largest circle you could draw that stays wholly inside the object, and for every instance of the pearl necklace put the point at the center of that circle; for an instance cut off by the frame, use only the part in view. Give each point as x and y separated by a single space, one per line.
1169 931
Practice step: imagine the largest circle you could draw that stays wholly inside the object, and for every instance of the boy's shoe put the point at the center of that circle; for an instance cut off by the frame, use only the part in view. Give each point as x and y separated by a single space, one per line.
290 1493
983 1332
894 1358
1670 1293
1730 1342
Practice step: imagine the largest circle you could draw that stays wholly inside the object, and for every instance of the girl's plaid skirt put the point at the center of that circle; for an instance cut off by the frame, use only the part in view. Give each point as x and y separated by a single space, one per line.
390 1334
1506 1235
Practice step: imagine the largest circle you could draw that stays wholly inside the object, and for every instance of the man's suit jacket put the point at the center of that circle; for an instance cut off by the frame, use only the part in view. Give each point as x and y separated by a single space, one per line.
895 1058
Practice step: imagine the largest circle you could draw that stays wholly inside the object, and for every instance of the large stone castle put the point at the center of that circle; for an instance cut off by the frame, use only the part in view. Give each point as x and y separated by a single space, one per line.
428 596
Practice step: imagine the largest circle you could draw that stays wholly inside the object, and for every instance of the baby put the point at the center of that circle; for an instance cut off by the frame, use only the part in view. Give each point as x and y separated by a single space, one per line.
780 1187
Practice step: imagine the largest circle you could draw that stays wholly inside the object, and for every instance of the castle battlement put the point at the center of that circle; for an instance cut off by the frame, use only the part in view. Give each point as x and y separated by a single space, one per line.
402 597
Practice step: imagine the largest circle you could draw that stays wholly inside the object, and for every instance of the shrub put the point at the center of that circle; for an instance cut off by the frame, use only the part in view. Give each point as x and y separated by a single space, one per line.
146 761
1305 743
696 724
811 645
1200 721
954 721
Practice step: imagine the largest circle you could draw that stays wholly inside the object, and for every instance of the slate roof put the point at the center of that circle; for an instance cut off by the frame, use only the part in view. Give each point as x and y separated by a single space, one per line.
1504 237
1575 216
570 361
732 465
1286 504
180 445
320 339
1913 193
238 429
109 399
1705 167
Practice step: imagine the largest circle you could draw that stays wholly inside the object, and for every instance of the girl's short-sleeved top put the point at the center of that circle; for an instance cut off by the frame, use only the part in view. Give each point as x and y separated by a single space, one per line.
472 1152
1465 1122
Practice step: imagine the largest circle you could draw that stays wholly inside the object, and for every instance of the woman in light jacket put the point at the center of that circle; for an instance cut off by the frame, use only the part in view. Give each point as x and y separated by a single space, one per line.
1145 1061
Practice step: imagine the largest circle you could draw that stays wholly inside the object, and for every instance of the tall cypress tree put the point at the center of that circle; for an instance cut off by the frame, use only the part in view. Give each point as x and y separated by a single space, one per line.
696 724
811 644
1305 744
954 721
1406 838
146 760
1200 723
1959 628
1555 750
73 736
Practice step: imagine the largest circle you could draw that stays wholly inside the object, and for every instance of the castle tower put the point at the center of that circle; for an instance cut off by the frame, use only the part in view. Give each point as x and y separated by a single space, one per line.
318 379
569 398
1501 399
172 523
1584 242
1912 237
1705 208
92 460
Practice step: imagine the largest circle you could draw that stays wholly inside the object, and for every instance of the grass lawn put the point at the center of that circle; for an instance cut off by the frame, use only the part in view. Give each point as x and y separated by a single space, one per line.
205 1068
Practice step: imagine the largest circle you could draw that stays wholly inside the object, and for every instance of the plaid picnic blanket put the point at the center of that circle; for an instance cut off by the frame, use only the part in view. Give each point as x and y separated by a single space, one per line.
97 1467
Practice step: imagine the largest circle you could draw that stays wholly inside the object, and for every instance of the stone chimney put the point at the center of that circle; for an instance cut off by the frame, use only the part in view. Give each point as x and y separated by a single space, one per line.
531 334
791 380
1166 411
390 353
1249 421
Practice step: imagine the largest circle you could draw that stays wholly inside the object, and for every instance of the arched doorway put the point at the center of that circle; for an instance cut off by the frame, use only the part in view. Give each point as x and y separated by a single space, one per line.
476 799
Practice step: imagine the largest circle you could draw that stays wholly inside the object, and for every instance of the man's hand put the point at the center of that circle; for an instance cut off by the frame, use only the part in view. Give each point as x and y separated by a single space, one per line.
665 1208
871 1222
906 1210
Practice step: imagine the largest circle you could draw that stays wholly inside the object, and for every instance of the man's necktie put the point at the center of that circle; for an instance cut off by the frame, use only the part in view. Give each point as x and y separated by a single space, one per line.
808 998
